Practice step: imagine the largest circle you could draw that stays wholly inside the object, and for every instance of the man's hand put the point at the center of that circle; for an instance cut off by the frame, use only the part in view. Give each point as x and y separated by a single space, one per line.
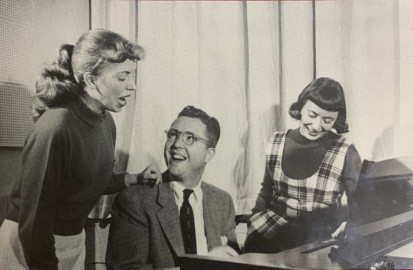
223 252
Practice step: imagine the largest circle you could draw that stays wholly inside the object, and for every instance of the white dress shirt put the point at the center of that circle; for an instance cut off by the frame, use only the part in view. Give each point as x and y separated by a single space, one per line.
195 200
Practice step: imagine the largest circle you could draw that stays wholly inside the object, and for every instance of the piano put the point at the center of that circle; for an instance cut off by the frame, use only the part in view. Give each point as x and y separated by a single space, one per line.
385 197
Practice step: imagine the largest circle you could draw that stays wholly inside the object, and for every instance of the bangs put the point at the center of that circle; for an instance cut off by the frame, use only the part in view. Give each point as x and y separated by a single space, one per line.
328 98
124 51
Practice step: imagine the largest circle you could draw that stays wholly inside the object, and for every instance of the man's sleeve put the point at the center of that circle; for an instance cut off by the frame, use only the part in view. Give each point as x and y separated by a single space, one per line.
128 243
229 230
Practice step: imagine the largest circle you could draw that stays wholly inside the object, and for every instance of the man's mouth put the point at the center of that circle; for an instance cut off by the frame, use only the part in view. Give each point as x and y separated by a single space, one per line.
177 157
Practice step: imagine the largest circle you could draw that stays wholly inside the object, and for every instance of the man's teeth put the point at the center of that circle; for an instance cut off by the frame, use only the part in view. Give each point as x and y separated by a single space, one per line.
178 157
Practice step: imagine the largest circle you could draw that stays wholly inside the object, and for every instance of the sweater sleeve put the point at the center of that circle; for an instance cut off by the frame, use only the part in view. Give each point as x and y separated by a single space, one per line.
265 195
43 164
117 181
351 172
116 184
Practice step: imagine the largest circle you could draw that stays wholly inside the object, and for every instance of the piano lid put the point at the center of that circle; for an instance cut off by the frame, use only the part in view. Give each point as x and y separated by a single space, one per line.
386 170
385 189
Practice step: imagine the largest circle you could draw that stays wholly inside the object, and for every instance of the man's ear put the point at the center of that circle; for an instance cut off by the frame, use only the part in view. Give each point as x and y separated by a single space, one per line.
89 79
210 154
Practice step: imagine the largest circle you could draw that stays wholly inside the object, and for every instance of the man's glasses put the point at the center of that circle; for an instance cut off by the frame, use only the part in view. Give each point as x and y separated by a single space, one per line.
187 137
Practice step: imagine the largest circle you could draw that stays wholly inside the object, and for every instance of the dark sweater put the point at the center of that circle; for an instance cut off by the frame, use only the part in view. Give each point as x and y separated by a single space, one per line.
67 164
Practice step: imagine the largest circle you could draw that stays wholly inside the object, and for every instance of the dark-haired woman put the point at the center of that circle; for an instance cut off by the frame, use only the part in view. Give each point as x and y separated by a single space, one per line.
68 157
307 170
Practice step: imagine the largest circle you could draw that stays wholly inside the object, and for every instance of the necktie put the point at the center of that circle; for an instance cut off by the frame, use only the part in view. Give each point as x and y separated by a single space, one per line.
188 224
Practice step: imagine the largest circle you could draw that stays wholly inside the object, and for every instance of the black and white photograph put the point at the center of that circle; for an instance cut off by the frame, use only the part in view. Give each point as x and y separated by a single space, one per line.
206 134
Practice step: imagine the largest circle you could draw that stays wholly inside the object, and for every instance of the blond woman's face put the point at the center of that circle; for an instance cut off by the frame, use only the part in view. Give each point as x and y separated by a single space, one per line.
115 84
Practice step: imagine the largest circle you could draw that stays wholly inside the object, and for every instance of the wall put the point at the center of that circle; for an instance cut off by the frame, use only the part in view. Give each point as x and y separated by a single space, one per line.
55 22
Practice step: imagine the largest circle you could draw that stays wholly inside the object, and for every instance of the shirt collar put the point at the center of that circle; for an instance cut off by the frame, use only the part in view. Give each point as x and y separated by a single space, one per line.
85 113
179 190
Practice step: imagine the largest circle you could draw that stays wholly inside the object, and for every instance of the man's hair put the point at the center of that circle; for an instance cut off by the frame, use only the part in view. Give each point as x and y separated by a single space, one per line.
211 123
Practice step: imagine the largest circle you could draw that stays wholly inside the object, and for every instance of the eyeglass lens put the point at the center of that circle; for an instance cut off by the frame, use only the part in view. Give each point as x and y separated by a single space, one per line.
187 137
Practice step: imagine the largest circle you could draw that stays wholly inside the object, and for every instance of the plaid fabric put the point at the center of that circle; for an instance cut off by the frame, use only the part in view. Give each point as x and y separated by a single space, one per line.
266 224
319 191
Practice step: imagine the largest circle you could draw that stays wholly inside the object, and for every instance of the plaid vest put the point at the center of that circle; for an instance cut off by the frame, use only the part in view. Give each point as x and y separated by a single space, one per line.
315 192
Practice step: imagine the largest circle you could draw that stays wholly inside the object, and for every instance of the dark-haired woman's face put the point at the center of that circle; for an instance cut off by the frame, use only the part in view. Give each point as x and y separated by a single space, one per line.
115 84
316 122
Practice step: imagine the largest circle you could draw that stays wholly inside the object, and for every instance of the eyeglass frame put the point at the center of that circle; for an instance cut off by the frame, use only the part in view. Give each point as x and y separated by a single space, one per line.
180 133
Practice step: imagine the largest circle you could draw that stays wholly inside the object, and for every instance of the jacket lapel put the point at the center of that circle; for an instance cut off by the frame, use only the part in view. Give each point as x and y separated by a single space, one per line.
211 217
168 217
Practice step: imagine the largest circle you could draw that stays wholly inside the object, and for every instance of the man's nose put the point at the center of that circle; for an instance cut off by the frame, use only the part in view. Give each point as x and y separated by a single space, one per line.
179 142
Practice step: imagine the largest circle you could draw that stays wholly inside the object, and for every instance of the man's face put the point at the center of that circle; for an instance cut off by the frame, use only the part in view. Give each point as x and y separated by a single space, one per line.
187 162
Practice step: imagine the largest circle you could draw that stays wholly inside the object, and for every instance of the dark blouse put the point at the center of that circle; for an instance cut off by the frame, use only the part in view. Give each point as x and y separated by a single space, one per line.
67 164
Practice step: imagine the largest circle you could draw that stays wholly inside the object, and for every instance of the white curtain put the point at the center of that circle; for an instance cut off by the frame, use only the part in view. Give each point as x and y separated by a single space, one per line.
246 62
367 45
198 54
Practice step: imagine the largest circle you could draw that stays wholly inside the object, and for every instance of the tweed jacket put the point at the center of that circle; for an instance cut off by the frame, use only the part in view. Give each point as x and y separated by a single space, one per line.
145 231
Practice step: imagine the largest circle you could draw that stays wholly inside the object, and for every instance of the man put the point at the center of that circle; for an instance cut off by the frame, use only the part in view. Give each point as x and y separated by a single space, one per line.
152 226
